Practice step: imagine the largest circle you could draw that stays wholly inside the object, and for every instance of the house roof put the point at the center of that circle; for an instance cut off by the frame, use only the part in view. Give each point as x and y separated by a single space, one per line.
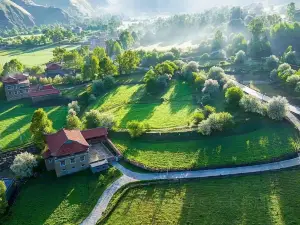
15 79
68 142
65 142
94 133
53 66
45 90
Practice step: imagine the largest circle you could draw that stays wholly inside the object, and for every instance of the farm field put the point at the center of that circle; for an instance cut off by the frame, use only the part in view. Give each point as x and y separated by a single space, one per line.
255 199
253 140
53 200
31 57
15 119
130 102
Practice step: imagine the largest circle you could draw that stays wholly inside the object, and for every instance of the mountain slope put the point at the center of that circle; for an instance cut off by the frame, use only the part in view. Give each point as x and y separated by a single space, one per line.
12 15
43 14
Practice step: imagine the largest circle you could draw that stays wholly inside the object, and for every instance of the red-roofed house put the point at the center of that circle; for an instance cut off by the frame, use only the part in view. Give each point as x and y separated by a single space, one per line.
16 86
42 93
70 151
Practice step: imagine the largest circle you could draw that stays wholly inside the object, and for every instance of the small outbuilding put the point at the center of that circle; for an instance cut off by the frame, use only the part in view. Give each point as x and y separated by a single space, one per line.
99 166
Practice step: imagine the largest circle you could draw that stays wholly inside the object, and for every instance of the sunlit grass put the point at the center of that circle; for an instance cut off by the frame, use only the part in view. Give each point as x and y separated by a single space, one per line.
15 120
267 199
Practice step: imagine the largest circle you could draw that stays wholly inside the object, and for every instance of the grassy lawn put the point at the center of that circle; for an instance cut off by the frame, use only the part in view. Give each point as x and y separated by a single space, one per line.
51 200
31 57
253 140
15 119
73 92
267 199
127 79
130 102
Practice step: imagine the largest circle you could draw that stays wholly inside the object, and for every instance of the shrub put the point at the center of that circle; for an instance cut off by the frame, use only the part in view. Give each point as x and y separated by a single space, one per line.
75 106
3 201
216 122
293 80
216 73
209 110
198 117
228 84
57 79
211 86
252 104
284 71
277 108
272 62
98 87
233 95
109 82
95 119
240 57
136 128
23 165
297 88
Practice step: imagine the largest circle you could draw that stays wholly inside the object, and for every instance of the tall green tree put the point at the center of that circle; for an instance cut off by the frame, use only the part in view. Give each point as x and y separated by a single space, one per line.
94 66
291 11
128 61
73 122
99 52
58 54
40 125
12 66
126 39
87 71
72 60
107 67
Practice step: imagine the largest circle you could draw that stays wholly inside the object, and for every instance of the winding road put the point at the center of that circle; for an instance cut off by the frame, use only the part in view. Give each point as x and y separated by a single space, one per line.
130 176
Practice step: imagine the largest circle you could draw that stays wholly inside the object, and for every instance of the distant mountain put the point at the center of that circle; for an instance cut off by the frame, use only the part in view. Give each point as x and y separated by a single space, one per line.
11 14
25 13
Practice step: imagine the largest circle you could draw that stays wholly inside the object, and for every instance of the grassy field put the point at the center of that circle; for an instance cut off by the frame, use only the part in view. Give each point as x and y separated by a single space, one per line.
268 199
31 57
130 102
253 140
51 200
73 92
15 120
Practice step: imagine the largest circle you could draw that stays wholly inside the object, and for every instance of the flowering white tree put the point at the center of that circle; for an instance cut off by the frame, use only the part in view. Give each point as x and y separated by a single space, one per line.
252 104
210 86
23 165
74 105
277 108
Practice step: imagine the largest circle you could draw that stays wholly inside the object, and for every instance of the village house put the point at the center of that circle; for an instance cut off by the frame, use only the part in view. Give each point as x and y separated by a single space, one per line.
70 151
16 86
53 69
44 92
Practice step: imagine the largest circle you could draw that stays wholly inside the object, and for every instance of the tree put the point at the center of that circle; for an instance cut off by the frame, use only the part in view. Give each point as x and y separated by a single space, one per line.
23 165
256 27
136 128
252 104
293 80
291 11
94 119
99 53
13 66
86 71
109 82
73 60
218 41
3 201
94 67
128 61
166 67
58 54
98 87
211 86
75 106
216 73
126 39
40 125
233 95
107 67
190 68
240 57
290 56
73 122
277 108
198 117
272 62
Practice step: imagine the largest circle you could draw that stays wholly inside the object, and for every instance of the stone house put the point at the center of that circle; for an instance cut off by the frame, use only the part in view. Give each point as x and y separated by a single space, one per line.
70 151
16 86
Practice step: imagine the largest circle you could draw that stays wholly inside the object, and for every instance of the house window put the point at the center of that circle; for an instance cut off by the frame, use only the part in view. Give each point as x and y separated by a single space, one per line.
9 87
83 165
49 160
72 160
64 169
16 92
63 163
82 158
